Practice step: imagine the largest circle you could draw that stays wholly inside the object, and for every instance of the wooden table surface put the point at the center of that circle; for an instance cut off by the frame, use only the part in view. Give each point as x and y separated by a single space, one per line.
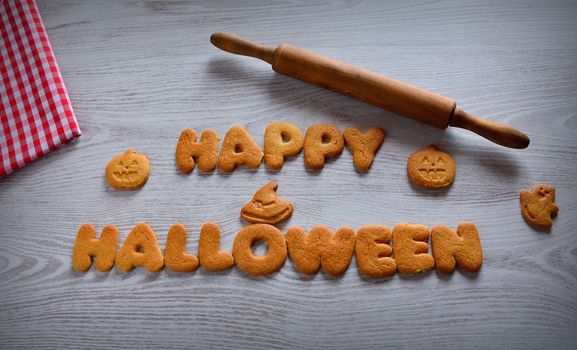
138 72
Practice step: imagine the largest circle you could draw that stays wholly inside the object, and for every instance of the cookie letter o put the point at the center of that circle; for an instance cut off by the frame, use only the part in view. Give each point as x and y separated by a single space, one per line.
259 265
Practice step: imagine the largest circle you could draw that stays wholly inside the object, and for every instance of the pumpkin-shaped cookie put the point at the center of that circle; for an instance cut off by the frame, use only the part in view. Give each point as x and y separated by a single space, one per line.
266 207
127 171
431 168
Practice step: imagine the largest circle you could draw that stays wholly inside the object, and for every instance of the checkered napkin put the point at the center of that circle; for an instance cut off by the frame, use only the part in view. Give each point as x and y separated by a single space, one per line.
35 112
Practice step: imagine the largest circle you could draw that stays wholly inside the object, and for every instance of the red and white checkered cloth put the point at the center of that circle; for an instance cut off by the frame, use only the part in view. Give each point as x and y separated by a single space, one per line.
35 112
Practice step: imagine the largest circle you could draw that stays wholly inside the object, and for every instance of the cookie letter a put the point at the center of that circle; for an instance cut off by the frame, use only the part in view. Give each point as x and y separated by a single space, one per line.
238 148
140 249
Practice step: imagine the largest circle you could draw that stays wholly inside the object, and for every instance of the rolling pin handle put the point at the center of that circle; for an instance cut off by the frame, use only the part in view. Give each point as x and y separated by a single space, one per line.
240 46
502 134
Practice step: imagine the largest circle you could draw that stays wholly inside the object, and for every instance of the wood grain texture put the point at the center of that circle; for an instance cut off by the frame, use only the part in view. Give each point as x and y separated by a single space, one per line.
138 72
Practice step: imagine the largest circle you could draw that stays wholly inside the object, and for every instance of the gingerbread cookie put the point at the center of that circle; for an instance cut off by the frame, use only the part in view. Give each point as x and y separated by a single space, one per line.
239 148
87 247
259 265
127 171
364 146
140 249
175 256
322 141
321 248
210 256
410 248
373 252
431 168
281 140
205 150
462 248
266 207
538 205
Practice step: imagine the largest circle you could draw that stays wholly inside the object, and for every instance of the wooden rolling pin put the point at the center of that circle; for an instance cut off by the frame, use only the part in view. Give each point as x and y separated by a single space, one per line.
375 89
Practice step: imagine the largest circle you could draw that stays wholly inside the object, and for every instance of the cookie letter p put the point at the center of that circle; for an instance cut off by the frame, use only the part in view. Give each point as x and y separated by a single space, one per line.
281 140
322 141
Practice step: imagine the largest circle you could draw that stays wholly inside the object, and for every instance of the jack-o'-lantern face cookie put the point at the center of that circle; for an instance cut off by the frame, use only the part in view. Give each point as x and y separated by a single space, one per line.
431 168
266 207
127 171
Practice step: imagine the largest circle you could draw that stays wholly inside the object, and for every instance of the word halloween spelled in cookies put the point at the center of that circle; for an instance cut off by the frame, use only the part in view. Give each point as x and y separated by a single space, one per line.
379 251
281 140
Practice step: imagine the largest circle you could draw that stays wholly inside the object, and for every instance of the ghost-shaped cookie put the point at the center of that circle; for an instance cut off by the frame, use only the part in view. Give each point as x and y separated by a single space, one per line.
266 207
538 205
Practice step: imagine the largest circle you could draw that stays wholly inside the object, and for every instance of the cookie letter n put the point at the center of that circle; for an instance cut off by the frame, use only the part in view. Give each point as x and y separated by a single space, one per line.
462 248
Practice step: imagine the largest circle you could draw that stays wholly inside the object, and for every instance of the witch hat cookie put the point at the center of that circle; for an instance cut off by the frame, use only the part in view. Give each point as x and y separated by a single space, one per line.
266 207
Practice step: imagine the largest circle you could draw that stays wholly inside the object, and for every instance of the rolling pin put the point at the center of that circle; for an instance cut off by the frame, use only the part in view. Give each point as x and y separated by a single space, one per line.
370 87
